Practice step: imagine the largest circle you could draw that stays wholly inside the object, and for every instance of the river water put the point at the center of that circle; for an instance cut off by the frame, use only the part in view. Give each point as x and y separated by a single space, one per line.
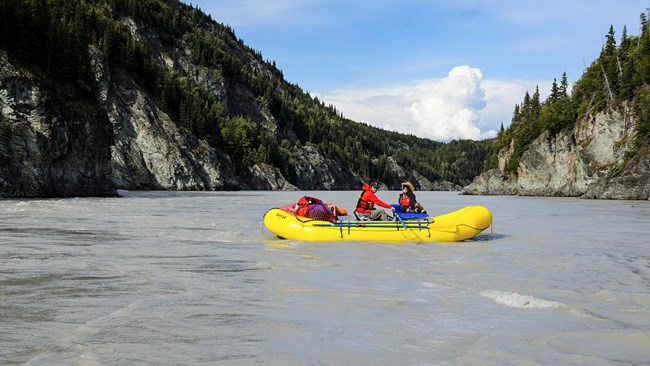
193 278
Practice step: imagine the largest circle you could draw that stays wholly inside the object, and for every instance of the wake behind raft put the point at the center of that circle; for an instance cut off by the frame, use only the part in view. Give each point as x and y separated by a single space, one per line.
318 221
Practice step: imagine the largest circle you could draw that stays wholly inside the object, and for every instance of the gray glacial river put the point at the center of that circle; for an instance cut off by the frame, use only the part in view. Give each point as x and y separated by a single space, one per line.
193 278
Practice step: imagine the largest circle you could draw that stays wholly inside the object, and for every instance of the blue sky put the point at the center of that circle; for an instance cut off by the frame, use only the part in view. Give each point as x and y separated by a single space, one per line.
440 69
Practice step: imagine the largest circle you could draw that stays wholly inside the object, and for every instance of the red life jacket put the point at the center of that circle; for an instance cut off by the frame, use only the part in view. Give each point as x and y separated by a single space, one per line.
404 200
306 200
363 203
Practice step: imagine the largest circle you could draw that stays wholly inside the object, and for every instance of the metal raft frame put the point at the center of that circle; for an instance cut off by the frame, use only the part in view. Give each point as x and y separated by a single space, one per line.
399 223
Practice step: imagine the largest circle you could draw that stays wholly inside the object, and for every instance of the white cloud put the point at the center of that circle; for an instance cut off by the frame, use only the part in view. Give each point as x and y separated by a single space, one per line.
460 106
450 108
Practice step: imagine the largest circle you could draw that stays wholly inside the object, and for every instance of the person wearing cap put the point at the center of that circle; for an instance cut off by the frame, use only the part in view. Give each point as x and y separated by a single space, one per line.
407 200
367 201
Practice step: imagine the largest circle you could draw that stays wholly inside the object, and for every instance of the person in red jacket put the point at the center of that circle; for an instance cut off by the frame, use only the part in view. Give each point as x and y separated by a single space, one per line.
367 201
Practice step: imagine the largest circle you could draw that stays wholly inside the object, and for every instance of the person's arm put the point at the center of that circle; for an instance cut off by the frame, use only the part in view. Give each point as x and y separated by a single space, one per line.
379 202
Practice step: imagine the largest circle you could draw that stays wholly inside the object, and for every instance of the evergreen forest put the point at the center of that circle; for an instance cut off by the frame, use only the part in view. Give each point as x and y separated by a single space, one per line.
53 39
619 79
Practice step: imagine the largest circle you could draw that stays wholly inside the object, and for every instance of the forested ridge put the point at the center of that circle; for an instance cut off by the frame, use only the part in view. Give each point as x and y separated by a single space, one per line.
53 37
619 79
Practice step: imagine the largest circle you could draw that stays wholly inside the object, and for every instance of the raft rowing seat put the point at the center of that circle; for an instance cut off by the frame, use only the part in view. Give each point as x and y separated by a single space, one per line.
360 217
397 210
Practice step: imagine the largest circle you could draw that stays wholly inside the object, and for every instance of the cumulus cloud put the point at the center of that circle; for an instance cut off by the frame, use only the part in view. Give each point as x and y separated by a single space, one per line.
450 108
459 106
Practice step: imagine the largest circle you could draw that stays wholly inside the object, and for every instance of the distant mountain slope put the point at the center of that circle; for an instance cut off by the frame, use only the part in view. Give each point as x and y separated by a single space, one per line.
157 95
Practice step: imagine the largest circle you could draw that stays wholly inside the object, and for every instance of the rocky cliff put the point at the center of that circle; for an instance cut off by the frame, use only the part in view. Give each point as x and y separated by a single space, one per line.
54 141
590 161
158 96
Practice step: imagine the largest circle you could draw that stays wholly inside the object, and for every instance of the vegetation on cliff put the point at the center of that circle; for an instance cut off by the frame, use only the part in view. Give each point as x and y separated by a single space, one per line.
150 38
619 79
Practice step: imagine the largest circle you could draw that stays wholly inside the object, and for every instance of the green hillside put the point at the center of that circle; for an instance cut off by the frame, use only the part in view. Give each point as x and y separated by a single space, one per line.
619 79
53 38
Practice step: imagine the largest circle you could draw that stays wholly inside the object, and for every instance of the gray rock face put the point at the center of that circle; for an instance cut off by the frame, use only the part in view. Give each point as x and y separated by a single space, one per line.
268 177
492 182
631 181
123 140
150 152
52 143
318 172
589 162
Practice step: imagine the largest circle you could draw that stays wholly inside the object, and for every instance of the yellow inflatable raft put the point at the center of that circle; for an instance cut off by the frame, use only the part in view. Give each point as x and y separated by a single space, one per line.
454 226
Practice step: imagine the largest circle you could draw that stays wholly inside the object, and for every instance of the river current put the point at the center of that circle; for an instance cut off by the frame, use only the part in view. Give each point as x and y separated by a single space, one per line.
193 278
